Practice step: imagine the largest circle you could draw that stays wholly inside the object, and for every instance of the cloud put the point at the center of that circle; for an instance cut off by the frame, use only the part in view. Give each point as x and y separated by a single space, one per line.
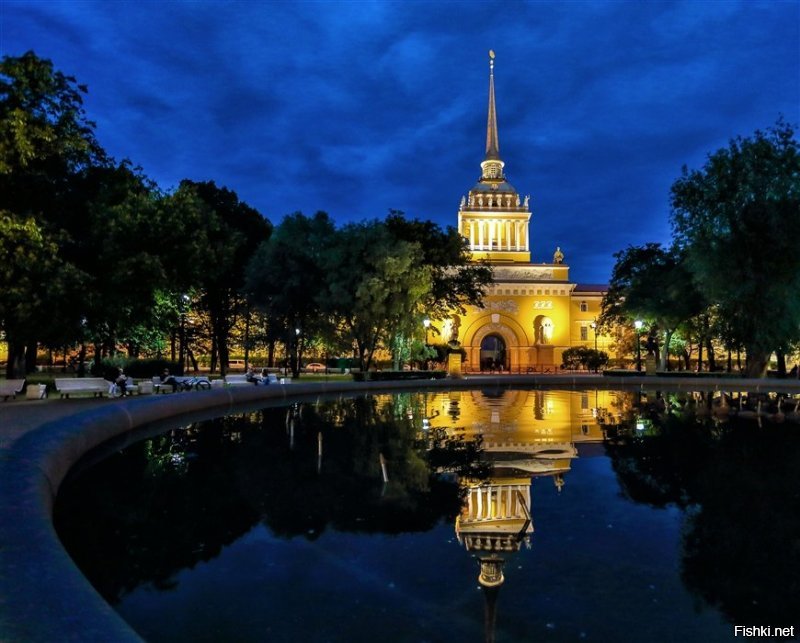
355 108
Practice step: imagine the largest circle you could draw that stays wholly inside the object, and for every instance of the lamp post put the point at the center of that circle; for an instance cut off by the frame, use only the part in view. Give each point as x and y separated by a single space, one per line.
638 326
594 330
296 355
427 324
182 349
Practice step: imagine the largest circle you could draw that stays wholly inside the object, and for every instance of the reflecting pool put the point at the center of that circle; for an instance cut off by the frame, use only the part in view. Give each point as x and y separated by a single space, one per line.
507 515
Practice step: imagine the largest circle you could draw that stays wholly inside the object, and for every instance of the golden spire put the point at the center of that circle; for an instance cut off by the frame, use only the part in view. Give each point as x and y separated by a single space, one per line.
492 140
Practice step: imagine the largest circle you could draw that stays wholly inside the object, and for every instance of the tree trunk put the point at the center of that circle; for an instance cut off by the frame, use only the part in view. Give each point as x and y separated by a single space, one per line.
82 361
15 365
271 353
712 364
664 365
781 357
30 356
757 362
700 355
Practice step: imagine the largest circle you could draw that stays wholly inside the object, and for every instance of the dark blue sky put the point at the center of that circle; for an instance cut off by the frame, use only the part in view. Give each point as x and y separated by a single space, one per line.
358 107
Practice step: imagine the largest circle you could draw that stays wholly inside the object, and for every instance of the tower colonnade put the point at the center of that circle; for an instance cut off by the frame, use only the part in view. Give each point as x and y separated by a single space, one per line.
496 234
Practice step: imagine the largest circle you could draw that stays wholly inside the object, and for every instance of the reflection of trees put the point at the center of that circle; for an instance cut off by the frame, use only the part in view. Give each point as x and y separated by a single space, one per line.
742 547
739 488
660 467
167 503
159 506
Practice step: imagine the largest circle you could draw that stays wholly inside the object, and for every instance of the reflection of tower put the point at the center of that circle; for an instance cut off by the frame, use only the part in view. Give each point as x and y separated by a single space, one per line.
496 520
493 524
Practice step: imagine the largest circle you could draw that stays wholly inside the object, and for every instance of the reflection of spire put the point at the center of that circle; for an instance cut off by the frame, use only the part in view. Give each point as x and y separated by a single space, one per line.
558 480
490 611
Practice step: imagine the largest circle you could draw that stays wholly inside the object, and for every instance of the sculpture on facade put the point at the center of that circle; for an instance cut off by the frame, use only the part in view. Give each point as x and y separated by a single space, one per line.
543 330
558 256
455 326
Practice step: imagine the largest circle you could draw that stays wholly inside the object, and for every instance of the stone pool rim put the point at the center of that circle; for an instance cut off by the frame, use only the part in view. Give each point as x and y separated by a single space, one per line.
43 595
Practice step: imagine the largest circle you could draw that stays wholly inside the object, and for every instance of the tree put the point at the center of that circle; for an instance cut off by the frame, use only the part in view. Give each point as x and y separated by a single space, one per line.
377 288
233 232
456 280
45 139
29 274
43 126
736 220
286 275
652 284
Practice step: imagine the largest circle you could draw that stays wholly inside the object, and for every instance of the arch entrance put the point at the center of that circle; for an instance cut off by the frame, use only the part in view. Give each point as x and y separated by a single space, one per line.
493 353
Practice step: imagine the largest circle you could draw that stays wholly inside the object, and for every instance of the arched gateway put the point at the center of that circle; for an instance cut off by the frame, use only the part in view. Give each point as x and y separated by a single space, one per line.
493 353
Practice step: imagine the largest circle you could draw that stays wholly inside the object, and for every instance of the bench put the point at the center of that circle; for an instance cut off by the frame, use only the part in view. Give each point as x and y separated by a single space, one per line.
94 385
10 388
36 392
239 380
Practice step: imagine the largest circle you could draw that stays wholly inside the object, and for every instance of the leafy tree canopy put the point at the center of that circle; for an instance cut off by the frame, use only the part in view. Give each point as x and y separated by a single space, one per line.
736 220
455 280
653 284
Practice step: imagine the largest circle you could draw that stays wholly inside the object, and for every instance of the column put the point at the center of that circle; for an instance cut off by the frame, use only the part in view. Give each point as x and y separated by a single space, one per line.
491 233
508 235
480 235
525 236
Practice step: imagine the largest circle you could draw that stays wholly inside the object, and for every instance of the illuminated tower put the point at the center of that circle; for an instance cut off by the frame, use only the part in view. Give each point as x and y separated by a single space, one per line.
493 217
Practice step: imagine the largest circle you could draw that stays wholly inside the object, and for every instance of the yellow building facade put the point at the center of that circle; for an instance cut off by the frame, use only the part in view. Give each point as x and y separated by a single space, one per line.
532 312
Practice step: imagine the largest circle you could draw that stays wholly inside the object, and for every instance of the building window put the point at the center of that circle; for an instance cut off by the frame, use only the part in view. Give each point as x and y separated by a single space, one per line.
584 333
584 307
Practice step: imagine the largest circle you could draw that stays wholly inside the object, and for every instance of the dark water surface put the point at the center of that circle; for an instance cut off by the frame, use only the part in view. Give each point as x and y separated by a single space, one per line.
617 517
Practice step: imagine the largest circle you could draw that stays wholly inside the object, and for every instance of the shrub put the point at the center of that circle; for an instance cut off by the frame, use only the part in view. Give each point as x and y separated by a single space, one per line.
583 357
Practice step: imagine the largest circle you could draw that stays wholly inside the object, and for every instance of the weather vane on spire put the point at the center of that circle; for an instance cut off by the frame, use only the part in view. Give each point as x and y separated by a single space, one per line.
491 60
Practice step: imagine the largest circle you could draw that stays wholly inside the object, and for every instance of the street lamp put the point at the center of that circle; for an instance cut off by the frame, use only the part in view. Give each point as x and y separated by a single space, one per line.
638 326
427 324
182 351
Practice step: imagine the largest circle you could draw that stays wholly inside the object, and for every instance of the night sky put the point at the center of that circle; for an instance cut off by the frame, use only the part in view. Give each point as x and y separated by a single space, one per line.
358 107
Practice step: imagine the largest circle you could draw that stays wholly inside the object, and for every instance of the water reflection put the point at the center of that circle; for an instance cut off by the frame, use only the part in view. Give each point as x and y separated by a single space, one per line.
473 460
